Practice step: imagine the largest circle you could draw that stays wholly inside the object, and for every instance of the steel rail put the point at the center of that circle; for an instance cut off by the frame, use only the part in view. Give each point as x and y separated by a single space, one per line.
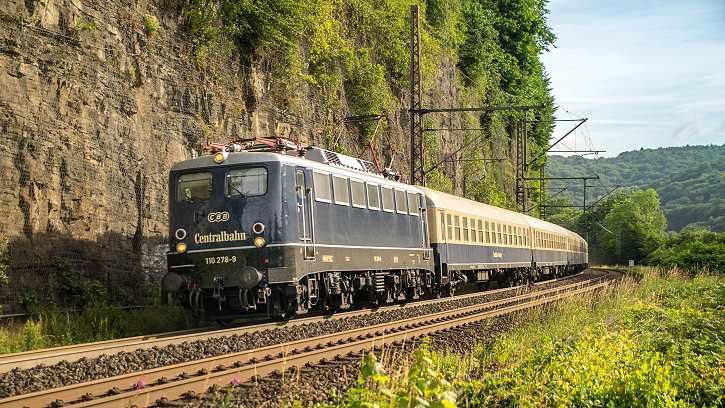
50 356
143 388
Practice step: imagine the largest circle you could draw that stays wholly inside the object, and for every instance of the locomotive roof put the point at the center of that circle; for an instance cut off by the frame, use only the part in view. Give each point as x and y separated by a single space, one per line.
240 158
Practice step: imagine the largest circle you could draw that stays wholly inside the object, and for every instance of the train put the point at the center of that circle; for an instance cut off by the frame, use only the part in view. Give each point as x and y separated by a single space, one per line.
268 227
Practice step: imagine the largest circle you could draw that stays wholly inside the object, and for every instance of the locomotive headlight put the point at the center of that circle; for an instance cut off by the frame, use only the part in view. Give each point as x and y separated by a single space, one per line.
219 157
181 247
259 242
258 228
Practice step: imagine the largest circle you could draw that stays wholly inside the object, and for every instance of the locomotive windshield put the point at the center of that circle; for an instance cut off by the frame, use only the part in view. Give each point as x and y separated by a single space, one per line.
247 182
194 187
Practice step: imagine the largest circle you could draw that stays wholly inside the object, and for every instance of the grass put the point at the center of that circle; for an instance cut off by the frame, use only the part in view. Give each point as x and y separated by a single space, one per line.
54 328
653 342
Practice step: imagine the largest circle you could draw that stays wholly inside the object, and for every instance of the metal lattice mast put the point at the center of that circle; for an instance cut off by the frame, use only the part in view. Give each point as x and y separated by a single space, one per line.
521 166
417 158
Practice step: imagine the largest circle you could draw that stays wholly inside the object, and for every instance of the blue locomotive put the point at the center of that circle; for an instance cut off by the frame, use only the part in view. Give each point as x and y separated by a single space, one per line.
269 227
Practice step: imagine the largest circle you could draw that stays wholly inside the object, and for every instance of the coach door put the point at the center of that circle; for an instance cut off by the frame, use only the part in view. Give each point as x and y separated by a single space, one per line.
304 213
424 227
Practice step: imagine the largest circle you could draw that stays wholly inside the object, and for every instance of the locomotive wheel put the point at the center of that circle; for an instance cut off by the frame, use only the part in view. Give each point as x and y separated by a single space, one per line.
437 292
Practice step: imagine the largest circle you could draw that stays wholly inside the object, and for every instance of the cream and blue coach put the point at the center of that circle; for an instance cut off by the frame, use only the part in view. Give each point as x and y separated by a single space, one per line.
472 241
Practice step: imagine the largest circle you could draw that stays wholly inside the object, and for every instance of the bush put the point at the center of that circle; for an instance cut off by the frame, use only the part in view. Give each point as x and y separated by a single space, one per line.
86 26
692 249
151 23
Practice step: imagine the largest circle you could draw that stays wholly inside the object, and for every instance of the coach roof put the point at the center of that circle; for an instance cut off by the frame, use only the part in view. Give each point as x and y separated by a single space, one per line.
437 199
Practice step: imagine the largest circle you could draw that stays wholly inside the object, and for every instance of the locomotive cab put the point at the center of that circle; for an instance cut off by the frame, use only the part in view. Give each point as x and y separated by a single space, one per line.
224 215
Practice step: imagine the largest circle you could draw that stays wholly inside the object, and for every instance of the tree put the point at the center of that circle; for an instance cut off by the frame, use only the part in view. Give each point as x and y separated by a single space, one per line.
633 228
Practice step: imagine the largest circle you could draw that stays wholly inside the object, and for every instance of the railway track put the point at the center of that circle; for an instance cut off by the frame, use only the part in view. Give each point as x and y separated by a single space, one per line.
76 352
177 381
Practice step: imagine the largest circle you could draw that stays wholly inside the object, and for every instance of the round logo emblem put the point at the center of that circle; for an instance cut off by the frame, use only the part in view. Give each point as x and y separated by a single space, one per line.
221 216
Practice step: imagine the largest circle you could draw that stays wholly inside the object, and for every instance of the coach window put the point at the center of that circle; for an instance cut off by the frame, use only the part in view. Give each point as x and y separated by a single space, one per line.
357 193
519 237
465 228
443 226
373 193
321 182
340 190
457 225
449 226
481 232
388 201
194 187
474 235
413 203
488 232
499 236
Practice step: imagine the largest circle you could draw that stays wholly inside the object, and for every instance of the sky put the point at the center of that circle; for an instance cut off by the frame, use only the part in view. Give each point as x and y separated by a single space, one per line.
646 73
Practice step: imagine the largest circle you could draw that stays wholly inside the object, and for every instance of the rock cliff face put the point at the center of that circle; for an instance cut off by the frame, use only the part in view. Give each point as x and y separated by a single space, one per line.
94 110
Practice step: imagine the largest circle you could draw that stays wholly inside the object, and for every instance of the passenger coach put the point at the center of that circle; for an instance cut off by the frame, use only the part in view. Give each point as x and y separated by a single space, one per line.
481 243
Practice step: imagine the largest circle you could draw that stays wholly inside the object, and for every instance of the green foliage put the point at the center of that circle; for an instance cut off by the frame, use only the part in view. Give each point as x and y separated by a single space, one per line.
86 26
424 385
73 290
52 327
654 345
692 249
151 23
633 228
253 24
689 180
32 335
367 92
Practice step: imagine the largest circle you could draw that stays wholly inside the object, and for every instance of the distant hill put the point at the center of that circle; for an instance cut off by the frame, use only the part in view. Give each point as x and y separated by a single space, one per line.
690 180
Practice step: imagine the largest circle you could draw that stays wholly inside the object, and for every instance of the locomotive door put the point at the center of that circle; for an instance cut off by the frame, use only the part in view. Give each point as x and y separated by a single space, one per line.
305 229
